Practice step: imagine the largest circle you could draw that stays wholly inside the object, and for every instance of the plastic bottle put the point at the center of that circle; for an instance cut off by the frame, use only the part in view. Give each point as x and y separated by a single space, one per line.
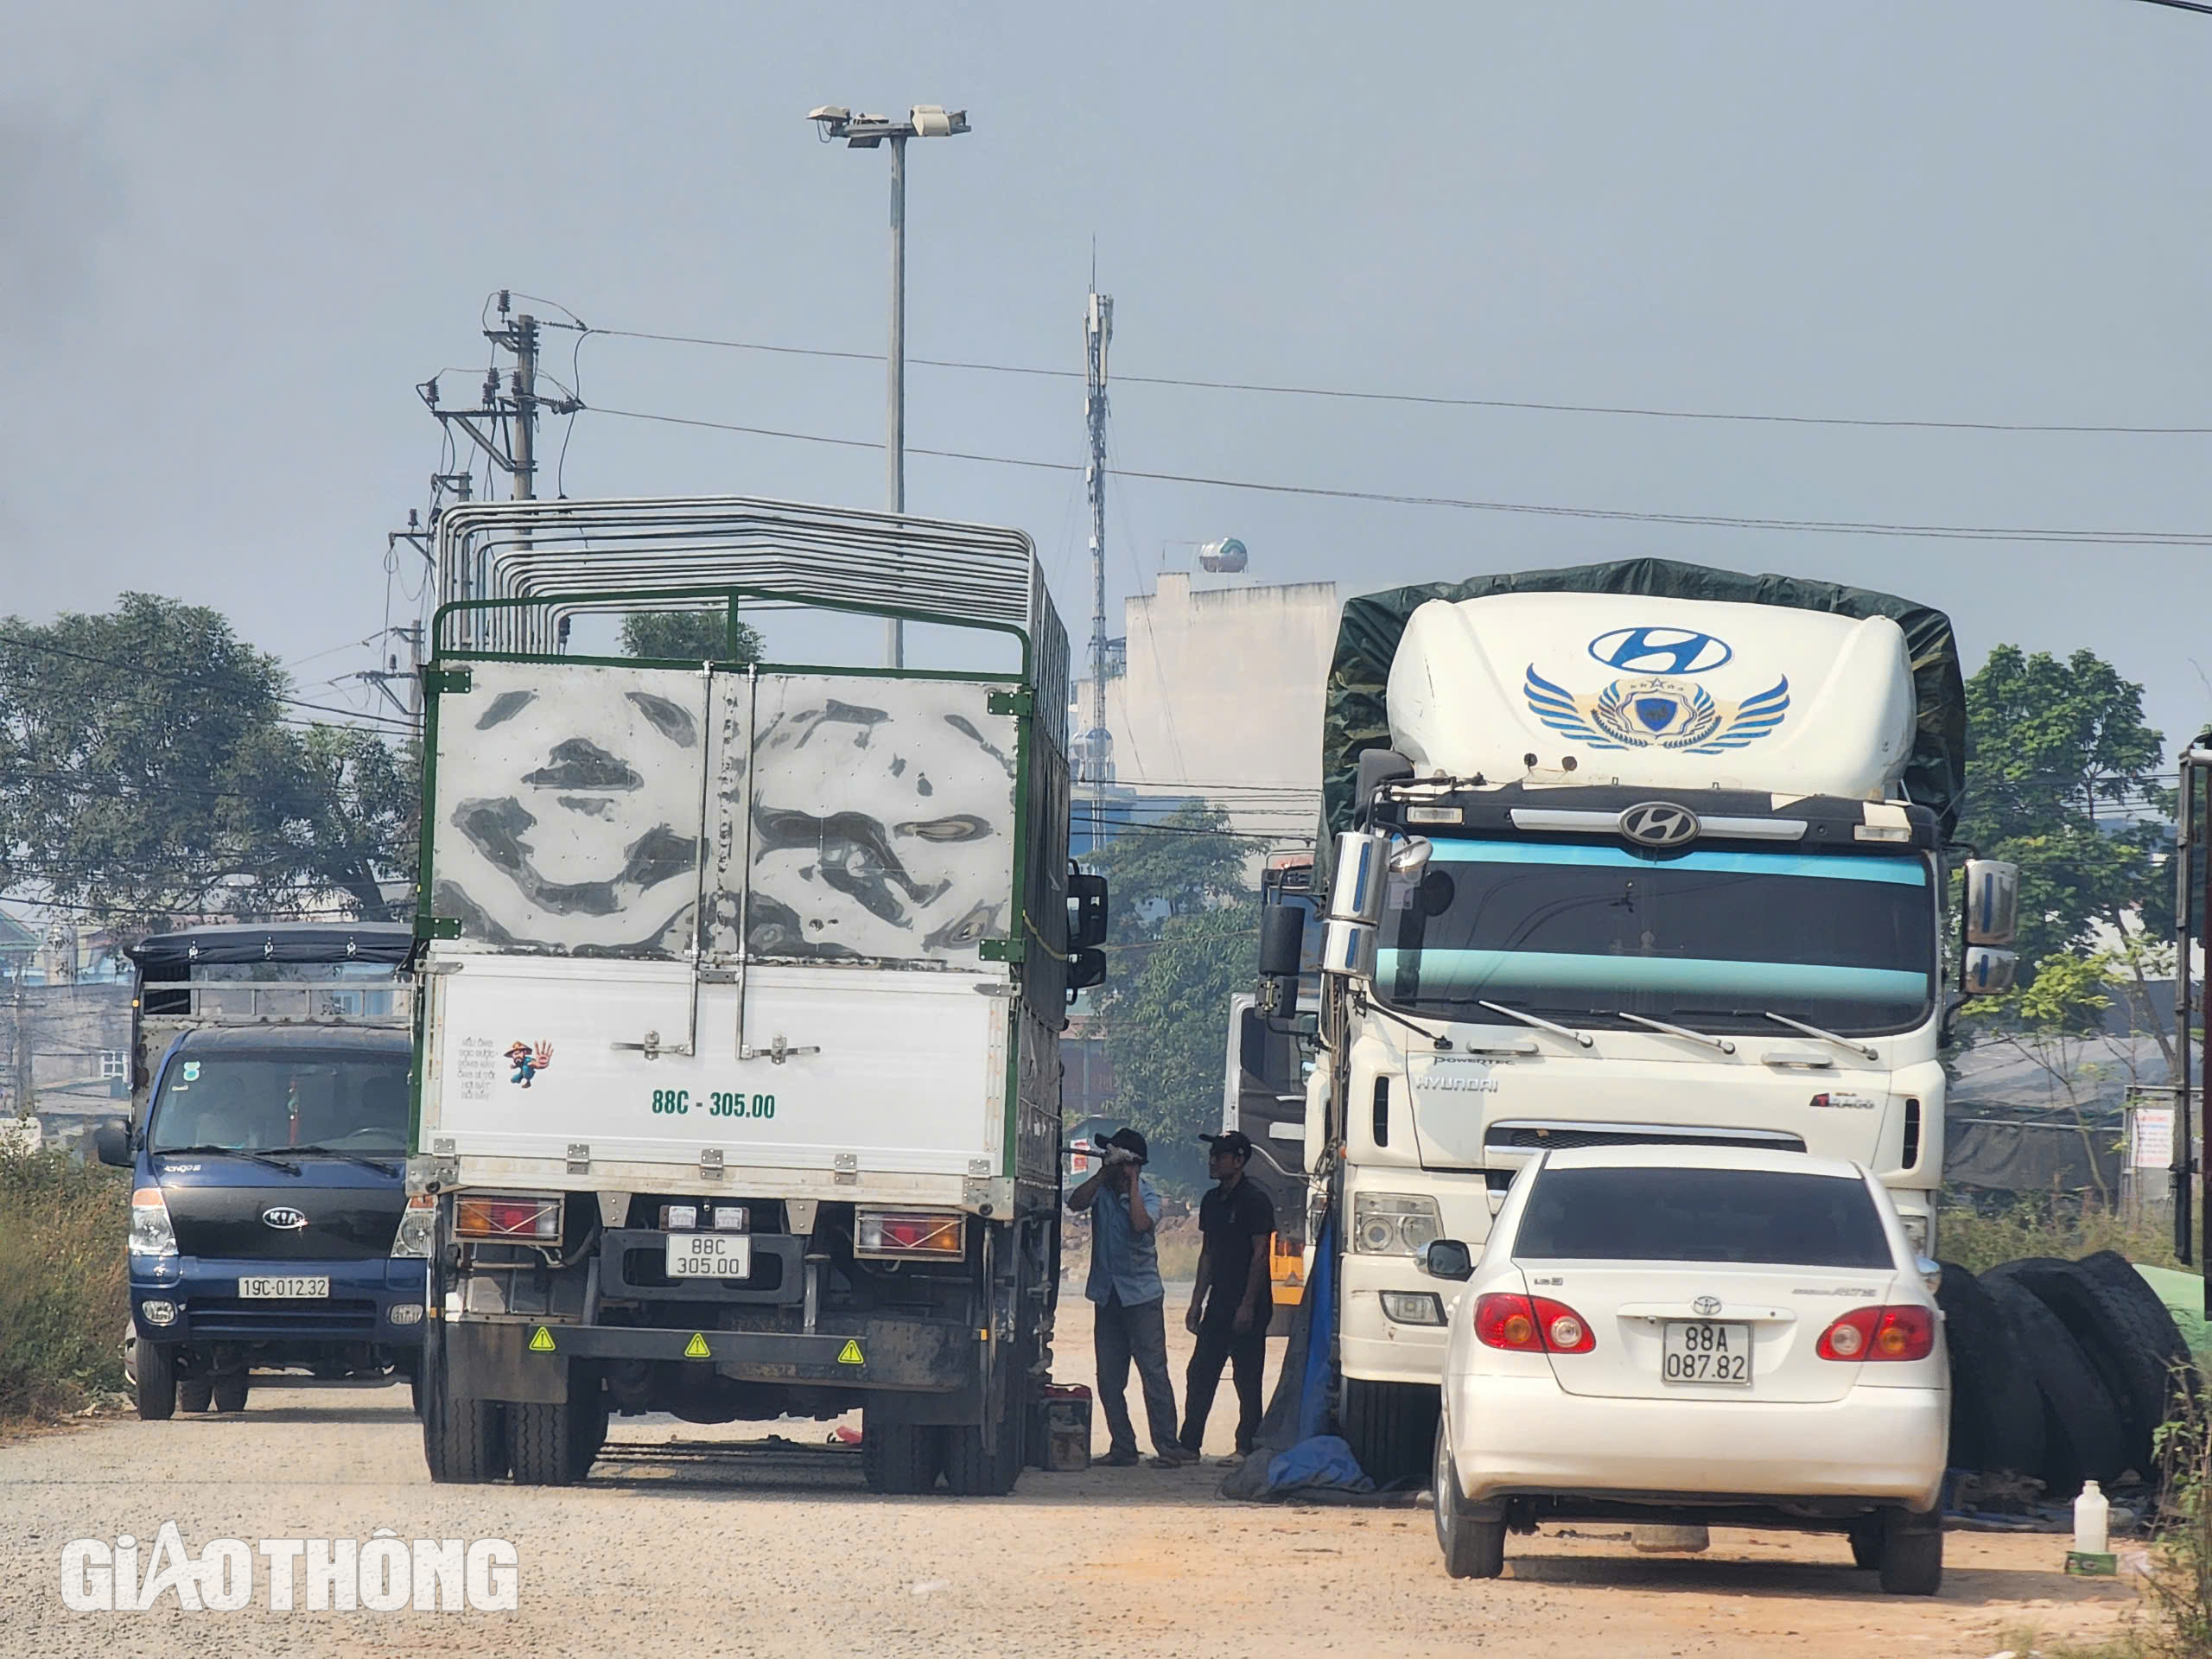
2092 1521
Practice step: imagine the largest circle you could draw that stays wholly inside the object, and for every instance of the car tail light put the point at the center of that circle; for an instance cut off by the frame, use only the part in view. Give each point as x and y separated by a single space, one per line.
908 1233
536 1221
1531 1325
1903 1332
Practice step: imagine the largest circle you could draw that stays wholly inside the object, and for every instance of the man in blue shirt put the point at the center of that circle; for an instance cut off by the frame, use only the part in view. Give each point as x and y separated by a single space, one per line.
1128 1300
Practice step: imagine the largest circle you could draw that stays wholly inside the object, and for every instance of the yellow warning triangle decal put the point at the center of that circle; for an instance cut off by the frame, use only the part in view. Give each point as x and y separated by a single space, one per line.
850 1353
543 1342
697 1348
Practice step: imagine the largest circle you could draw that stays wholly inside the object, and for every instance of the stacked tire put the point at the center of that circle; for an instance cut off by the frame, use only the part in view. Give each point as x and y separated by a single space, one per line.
2060 1370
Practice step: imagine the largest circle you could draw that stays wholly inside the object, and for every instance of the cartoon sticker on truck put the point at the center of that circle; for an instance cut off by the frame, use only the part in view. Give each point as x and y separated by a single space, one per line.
528 1062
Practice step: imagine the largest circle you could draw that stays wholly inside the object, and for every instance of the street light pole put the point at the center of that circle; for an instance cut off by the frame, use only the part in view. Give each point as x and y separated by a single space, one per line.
867 132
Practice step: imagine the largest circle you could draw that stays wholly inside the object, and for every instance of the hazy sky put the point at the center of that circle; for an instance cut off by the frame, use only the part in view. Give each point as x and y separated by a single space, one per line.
233 238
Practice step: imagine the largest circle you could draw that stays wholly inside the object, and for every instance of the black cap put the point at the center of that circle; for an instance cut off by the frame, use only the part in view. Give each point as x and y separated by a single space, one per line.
1128 1140
1236 1141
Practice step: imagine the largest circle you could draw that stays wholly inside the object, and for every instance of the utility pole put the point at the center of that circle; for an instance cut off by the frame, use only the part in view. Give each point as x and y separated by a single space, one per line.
1098 747
524 339
834 121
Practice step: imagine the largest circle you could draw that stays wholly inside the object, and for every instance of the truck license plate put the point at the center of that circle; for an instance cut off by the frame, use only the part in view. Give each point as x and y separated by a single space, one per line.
283 1289
709 1255
1701 1351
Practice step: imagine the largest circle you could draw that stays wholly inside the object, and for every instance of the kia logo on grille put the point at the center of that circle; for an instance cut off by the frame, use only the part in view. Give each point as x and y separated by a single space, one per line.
1705 1307
1659 824
283 1216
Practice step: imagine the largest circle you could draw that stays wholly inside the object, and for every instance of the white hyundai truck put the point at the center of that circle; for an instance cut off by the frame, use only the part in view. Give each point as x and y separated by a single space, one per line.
739 1077
1634 852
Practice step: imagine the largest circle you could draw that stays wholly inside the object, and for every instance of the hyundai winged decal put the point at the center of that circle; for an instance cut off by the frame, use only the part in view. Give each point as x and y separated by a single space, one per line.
1647 711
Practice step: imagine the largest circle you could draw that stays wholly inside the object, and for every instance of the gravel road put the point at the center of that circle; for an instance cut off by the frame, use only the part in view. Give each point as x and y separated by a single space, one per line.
703 1541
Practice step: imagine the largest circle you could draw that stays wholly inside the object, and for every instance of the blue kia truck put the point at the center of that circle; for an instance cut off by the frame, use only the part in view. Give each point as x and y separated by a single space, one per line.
268 1140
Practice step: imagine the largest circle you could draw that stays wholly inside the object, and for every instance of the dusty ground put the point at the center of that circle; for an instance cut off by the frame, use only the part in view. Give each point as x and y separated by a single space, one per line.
778 1550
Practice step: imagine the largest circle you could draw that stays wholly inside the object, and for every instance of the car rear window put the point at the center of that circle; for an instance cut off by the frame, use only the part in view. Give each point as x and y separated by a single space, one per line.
1701 1215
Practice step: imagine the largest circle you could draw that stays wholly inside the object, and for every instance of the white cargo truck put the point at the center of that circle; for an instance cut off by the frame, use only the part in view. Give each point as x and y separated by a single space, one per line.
739 1091
1636 852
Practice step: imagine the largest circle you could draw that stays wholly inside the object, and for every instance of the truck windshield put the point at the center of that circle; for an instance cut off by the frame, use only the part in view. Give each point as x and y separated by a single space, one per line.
1710 940
268 1101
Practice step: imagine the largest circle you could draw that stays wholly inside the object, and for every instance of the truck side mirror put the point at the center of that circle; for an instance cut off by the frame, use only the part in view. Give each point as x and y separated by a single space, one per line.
111 1143
1447 1258
1992 893
1086 911
1282 940
1086 968
1986 972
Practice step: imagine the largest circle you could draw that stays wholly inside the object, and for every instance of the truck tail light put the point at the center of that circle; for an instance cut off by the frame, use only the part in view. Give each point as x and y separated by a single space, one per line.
1531 1325
1903 1333
534 1220
902 1233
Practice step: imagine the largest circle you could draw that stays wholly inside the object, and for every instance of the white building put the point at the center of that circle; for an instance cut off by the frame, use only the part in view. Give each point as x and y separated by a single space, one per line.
1219 694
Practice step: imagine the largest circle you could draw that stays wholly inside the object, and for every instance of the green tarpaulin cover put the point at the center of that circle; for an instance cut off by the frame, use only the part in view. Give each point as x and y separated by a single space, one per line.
2183 1295
1357 716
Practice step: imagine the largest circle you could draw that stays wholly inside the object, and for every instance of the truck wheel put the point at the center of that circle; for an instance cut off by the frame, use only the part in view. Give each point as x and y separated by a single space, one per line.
900 1460
156 1384
543 1442
970 1472
586 1410
1472 1549
1912 1554
1389 1427
463 1439
195 1393
229 1392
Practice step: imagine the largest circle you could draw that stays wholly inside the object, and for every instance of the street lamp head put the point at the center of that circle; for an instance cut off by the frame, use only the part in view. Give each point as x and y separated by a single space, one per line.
935 121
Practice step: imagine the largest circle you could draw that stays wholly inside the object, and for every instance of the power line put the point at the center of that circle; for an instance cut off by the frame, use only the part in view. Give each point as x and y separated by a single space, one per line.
1711 521
1430 400
2183 5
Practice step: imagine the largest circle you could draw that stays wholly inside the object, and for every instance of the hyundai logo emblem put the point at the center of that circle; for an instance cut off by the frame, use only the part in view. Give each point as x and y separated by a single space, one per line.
1659 824
284 1217
1660 651
1705 1307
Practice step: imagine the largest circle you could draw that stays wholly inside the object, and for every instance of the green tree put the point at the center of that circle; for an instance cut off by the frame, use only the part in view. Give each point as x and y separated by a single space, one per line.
687 636
148 769
1184 940
2057 1022
2061 773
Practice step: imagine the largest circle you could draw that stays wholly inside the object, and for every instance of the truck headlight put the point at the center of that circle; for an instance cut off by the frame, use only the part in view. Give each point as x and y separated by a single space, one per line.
1394 1224
416 1224
150 1231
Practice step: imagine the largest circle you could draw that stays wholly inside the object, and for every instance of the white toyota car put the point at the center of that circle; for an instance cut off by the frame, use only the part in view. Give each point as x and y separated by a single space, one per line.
1692 1335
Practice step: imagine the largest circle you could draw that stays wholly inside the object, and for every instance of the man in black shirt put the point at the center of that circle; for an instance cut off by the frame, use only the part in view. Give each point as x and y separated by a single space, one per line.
1232 1301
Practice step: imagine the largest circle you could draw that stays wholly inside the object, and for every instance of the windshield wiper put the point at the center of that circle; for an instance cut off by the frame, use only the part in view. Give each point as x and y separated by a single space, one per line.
382 1166
228 1152
1851 1043
1705 1037
1442 1043
1538 1021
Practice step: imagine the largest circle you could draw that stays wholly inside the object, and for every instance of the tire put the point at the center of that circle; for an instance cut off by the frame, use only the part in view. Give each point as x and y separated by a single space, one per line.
1912 1554
2083 1435
2133 1357
229 1392
2133 1300
900 1460
587 1411
551 1446
1389 1427
195 1393
464 1440
1865 1534
1996 1420
156 1384
414 1390
1472 1549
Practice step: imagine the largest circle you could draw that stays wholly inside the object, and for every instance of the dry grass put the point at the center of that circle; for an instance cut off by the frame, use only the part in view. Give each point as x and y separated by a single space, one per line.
63 1279
2036 1226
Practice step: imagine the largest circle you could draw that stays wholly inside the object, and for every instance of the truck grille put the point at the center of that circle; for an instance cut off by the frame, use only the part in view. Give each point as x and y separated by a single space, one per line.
229 1316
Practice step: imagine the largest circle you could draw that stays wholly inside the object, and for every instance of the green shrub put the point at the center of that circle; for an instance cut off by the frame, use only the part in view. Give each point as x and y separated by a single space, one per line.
1977 1239
63 1282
